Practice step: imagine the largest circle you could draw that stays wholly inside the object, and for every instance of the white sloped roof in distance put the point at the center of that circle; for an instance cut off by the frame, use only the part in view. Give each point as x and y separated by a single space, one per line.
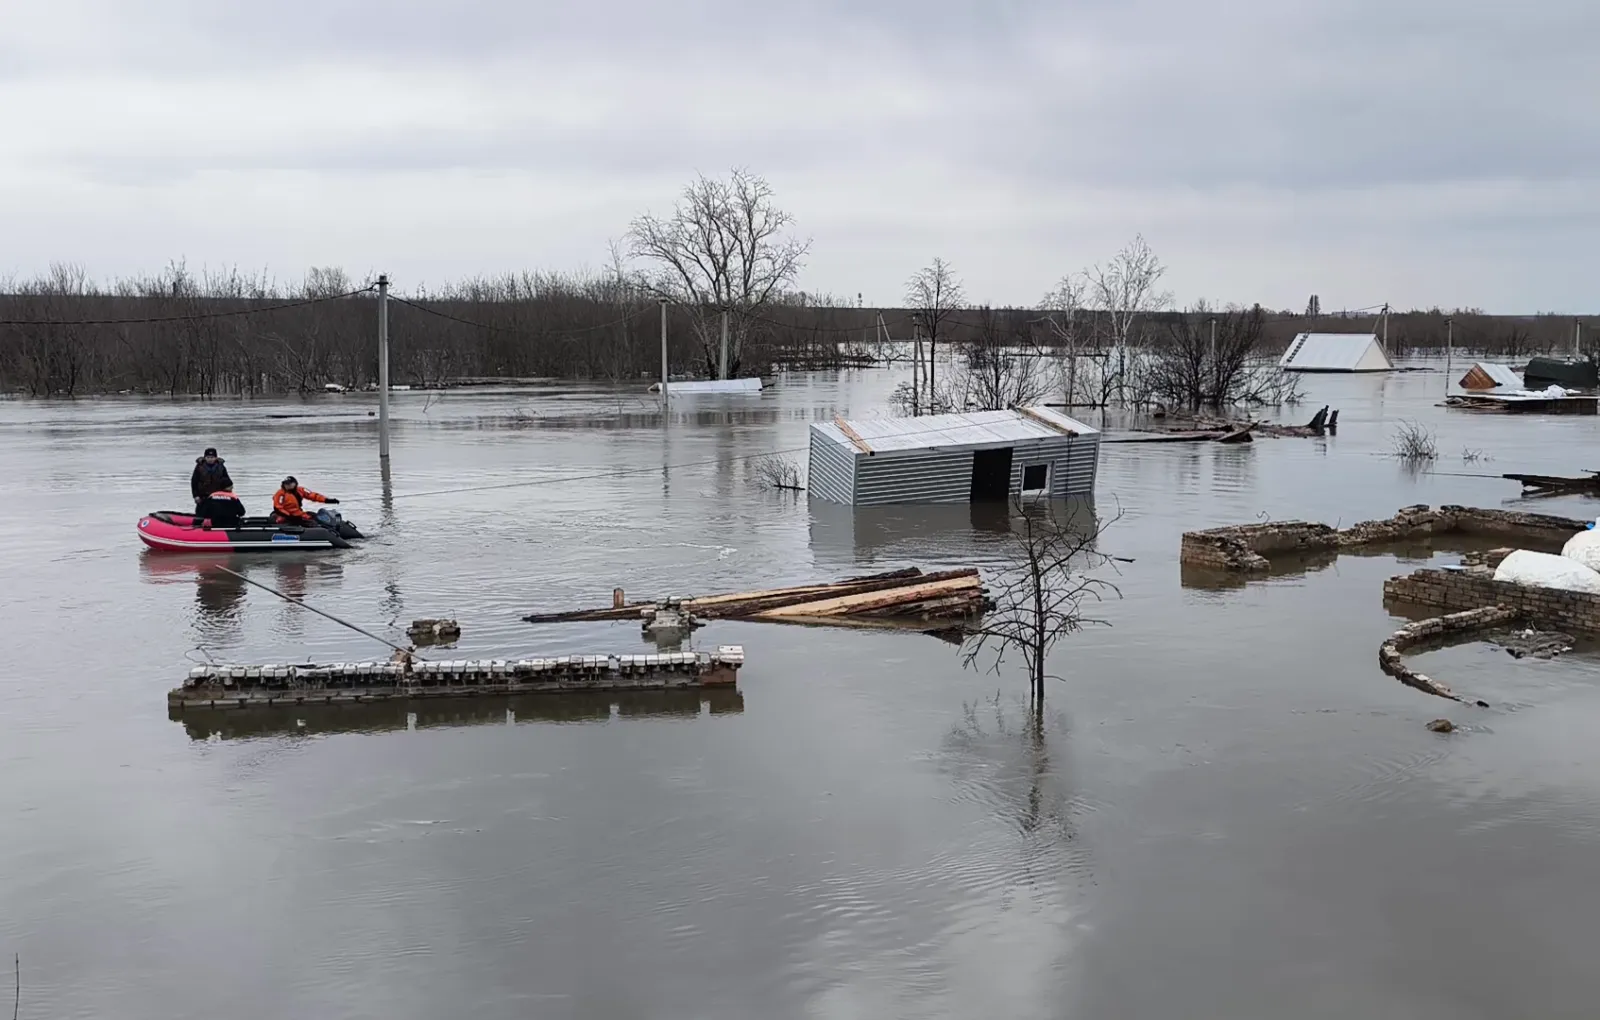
1336 352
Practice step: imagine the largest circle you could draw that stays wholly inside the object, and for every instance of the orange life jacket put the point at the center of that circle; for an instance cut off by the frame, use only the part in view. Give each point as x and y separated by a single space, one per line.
287 504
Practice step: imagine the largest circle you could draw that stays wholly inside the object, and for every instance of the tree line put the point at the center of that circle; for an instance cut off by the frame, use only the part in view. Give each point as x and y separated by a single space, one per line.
726 262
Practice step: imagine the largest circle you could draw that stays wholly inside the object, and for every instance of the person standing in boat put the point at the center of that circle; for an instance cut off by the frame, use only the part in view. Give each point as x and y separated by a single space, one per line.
210 475
286 503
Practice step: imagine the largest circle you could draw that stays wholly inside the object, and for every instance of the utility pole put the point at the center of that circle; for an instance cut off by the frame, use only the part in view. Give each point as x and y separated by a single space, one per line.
1577 338
916 370
1386 327
1449 349
722 362
1216 372
663 358
383 369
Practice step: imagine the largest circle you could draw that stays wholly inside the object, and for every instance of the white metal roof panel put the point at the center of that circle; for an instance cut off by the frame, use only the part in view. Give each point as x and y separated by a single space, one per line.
954 431
1336 352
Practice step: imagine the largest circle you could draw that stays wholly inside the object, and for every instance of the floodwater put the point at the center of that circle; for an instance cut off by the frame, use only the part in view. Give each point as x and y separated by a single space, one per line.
1231 812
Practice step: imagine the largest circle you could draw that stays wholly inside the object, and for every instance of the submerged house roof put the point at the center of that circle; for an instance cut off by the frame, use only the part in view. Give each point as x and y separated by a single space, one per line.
1336 352
971 431
1487 376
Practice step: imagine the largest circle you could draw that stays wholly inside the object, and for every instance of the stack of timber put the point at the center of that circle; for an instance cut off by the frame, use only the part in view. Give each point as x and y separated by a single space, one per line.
228 686
895 599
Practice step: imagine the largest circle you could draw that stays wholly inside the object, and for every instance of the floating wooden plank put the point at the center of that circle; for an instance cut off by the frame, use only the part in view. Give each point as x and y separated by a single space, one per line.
1047 422
866 601
850 434
951 595
1239 435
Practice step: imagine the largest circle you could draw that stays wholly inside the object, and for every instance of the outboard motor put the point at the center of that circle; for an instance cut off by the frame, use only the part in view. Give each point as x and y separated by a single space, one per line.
335 522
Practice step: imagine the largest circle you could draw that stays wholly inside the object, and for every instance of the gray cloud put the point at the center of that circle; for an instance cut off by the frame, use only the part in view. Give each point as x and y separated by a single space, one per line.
1266 149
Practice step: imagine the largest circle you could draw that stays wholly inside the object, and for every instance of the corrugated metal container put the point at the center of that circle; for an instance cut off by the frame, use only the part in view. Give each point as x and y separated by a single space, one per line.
953 458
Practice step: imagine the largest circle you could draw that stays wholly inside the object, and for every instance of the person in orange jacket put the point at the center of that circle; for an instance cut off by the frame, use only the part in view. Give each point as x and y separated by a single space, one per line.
286 508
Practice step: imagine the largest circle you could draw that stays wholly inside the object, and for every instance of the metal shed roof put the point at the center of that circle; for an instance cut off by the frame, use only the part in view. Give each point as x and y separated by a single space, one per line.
1336 352
955 431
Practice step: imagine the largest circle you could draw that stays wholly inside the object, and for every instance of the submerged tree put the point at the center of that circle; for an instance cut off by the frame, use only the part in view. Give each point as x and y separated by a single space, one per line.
1038 597
934 294
1217 359
1124 296
726 248
1000 367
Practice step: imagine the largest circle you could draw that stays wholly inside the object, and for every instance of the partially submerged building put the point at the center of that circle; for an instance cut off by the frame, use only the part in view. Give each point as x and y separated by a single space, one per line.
1336 352
684 387
953 458
1486 375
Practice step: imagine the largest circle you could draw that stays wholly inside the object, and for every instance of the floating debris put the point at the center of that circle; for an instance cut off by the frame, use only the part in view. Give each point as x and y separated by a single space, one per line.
892 600
1530 643
430 632
1442 726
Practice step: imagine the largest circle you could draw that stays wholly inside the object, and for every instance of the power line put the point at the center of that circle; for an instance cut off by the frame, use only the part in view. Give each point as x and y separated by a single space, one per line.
192 317
561 334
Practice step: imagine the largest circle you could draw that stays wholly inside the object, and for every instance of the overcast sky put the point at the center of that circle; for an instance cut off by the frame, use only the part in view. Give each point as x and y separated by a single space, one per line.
1419 152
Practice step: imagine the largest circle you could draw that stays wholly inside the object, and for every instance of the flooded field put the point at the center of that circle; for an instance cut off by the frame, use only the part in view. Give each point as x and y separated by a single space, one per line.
1233 813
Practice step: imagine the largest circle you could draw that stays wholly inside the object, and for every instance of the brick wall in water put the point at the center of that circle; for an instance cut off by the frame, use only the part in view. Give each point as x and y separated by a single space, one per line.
1457 590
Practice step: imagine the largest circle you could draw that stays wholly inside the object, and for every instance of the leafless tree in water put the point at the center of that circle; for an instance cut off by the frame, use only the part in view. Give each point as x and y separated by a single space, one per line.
1038 598
1064 313
1001 367
726 247
1123 293
934 294
1215 359
777 472
1413 442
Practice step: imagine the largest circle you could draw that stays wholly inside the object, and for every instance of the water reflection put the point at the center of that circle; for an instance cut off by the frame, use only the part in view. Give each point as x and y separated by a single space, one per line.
392 716
935 533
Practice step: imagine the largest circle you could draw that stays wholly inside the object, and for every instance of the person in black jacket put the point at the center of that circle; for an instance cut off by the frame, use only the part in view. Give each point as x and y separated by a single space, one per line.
210 475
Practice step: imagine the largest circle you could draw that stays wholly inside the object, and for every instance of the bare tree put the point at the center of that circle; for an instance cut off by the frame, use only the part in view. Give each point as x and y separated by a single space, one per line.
933 294
1216 359
1000 368
1037 599
777 472
1124 293
1063 308
725 248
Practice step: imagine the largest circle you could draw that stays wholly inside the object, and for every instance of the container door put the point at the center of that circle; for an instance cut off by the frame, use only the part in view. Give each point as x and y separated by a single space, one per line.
991 474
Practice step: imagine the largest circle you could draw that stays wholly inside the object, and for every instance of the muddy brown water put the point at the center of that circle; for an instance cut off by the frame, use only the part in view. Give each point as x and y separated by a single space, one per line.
1232 813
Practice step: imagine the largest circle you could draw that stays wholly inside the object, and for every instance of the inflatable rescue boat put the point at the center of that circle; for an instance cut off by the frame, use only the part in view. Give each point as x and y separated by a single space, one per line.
176 531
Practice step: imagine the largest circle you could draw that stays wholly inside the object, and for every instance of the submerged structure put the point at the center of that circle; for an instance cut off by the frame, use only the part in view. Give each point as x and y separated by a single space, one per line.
1486 375
678 388
343 683
1336 352
953 458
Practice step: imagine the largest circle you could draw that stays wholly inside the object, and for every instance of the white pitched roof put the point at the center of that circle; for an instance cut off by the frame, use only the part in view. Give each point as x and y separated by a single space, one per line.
1336 352
955 431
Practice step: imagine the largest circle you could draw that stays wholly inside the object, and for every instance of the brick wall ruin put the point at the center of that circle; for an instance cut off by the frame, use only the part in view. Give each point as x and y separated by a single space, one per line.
1439 630
1476 588
1249 547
